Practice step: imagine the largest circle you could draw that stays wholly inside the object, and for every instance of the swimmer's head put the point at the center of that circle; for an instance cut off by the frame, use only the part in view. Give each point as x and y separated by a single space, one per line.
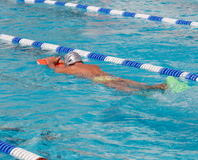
71 58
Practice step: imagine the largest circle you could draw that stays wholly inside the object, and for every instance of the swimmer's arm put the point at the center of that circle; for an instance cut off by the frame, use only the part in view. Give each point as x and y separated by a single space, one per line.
60 69
51 65
52 61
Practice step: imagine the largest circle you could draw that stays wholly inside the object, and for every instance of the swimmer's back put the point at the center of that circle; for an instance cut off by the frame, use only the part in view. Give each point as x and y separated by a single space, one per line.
85 70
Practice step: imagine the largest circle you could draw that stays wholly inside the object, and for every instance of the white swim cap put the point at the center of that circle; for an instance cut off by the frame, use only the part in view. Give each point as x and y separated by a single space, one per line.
71 58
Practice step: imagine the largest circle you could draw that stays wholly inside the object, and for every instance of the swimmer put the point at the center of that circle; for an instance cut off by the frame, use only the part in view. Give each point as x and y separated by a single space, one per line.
74 65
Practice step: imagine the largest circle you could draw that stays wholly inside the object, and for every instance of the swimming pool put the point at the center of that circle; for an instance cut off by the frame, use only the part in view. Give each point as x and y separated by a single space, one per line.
62 117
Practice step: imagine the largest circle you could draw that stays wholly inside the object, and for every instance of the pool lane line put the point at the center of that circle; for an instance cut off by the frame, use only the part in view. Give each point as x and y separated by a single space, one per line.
18 153
95 56
114 12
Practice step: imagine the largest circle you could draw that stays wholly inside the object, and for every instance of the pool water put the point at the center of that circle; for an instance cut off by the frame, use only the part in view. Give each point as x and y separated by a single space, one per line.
62 117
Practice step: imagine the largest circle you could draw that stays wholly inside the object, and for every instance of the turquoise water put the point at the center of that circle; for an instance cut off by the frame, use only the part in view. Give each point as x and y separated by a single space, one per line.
62 117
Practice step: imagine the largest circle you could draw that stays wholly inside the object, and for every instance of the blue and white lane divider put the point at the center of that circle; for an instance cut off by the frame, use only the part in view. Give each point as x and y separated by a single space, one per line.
18 153
124 62
115 12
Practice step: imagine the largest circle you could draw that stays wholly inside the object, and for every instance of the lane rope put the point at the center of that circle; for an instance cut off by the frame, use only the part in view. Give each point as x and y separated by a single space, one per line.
114 12
100 57
18 153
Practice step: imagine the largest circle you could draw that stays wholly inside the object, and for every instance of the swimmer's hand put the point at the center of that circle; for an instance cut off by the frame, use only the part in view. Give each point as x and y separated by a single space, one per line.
53 60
